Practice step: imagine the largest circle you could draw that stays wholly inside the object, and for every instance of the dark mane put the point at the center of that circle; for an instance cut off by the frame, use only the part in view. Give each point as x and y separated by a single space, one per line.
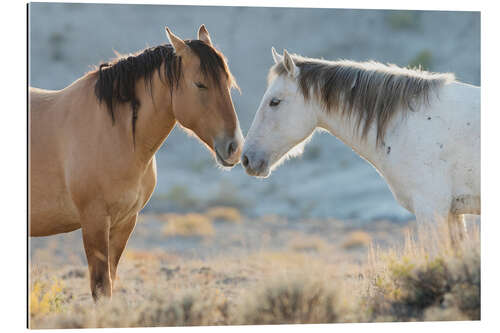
117 79
370 91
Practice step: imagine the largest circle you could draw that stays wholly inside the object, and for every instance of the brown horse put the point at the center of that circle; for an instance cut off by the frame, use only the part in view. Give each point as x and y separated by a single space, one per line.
93 143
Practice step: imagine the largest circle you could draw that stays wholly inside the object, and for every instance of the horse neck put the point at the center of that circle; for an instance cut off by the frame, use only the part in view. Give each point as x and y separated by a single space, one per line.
155 118
344 128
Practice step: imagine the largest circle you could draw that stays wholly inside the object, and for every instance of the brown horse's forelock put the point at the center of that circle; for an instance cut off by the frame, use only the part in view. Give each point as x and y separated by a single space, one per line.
117 80
370 91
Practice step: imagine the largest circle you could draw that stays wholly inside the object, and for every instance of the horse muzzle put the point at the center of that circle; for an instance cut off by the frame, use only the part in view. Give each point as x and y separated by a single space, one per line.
255 164
228 151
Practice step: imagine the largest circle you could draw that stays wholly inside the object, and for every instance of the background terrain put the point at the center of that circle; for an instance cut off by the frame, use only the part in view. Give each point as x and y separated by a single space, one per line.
67 40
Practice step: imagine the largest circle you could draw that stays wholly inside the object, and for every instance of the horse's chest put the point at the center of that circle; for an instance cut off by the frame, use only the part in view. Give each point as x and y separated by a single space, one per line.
401 186
131 199
402 197
128 201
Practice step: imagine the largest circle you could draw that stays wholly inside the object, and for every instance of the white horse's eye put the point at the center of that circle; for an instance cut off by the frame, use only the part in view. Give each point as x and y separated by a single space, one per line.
274 102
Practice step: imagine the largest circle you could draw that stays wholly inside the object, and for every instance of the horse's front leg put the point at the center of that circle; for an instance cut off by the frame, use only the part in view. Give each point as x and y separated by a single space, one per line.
95 231
118 238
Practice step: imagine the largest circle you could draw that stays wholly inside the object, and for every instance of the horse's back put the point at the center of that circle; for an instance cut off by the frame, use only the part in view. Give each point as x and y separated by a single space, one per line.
41 99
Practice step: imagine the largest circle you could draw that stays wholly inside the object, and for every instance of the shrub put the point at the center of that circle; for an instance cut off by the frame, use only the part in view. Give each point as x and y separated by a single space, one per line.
191 224
225 214
357 239
440 286
191 309
180 196
403 20
423 60
292 302
45 298
308 244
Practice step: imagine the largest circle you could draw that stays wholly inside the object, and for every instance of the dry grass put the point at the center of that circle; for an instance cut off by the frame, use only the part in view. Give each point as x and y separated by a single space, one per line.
180 196
424 279
191 224
357 239
195 308
308 244
224 214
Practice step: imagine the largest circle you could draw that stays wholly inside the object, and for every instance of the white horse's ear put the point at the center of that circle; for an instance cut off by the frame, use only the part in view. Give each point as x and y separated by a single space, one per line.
177 43
203 35
276 56
290 66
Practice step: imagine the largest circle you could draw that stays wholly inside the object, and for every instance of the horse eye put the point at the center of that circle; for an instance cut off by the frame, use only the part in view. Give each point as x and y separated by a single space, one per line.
200 85
274 102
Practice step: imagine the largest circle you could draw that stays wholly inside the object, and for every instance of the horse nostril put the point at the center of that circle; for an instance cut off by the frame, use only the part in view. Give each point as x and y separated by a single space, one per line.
261 164
231 148
244 161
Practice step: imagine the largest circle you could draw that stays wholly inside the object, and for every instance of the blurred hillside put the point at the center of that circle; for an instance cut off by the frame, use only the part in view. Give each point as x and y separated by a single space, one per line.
329 180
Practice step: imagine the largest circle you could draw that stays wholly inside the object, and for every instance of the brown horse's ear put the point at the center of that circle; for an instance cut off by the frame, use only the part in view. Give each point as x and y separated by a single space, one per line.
177 43
290 66
203 35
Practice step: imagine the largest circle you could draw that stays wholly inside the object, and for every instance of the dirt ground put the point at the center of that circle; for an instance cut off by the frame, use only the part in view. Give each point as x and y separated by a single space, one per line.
223 269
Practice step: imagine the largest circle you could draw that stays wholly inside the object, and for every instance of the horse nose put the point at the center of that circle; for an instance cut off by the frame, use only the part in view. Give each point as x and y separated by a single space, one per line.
260 165
231 147
244 160
253 163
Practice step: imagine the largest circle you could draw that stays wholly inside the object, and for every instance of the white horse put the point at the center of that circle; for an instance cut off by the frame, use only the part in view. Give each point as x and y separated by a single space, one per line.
420 130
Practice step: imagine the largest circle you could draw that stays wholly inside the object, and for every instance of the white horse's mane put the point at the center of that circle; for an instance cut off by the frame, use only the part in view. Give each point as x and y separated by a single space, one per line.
370 91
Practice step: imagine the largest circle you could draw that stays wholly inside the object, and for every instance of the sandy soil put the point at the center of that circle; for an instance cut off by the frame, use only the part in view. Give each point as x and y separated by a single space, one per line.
236 257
